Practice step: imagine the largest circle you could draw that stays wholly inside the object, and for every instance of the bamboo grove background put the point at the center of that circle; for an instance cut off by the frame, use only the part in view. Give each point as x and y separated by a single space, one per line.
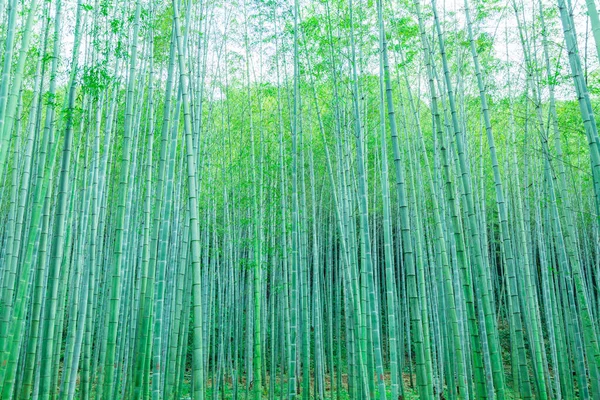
311 199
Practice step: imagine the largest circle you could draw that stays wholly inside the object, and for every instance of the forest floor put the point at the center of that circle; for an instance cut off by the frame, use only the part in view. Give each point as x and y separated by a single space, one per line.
244 391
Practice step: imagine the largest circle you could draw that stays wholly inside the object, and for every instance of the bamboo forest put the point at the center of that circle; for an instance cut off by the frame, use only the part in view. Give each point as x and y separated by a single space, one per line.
299 199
